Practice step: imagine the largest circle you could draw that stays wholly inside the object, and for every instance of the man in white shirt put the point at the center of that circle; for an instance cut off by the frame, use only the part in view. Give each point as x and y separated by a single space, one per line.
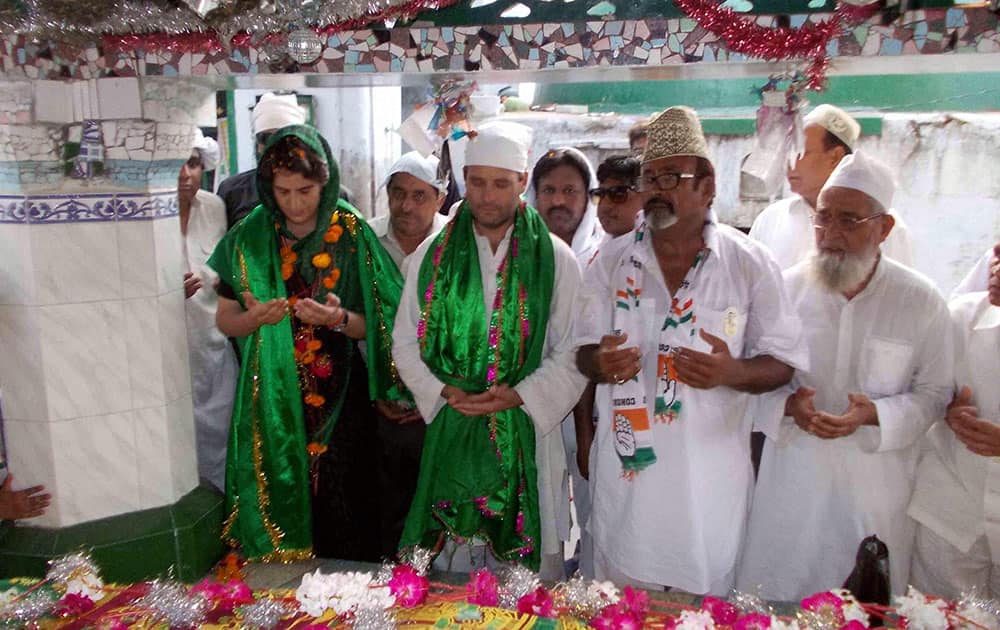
415 196
706 321
785 226
483 339
843 438
956 502
978 277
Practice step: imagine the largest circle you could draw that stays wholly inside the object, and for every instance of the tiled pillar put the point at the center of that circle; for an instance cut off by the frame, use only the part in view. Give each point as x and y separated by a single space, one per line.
94 366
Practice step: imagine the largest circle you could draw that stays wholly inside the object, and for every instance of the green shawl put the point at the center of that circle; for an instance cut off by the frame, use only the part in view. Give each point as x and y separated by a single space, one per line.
267 470
477 475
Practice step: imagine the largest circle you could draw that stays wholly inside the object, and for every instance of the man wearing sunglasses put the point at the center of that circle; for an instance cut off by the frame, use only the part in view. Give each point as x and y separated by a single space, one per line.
785 226
683 319
844 436
617 196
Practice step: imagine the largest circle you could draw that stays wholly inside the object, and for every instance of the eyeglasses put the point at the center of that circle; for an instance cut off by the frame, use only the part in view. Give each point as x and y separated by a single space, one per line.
665 181
617 194
844 223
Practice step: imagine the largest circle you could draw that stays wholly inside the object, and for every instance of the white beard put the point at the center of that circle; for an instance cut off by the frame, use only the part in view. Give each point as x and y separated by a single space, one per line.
841 274
660 219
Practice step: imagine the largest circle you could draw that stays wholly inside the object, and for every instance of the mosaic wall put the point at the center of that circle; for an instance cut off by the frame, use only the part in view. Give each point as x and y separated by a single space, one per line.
514 47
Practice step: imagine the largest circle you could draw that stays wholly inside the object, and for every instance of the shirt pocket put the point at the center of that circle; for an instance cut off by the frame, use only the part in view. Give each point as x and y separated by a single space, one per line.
728 324
886 367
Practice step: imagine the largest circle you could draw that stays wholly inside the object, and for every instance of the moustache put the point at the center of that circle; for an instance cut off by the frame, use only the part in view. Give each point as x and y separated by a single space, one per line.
562 209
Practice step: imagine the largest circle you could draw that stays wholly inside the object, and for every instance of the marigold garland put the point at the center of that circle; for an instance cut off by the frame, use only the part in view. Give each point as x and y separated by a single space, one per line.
742 34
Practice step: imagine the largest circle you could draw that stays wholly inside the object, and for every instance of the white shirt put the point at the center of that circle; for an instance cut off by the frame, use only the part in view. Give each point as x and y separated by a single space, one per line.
679 522
383 230
816 499
206 227
957 495
548 393
786 228
978 278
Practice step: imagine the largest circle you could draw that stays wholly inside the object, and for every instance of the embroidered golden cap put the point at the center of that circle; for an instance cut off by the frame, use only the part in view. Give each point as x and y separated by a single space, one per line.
676 131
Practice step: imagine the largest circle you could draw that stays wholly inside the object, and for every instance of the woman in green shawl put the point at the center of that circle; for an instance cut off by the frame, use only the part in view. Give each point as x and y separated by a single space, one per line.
302 280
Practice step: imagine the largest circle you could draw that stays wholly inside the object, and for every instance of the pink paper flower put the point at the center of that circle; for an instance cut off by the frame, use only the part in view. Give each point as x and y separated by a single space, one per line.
73 604
723 613
483 588
825 603
753 621
538 602
225 595
408 587
854 624
616 617
635 601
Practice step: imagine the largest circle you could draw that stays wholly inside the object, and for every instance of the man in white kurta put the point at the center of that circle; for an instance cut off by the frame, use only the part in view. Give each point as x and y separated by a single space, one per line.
785 226
978 278
956 502
498 156
707 321
843 438
214 370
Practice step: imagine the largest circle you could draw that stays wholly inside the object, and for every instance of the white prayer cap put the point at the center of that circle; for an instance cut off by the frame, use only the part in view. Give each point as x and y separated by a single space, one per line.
275 111
860 171
500 144
423 168
836 121
208 149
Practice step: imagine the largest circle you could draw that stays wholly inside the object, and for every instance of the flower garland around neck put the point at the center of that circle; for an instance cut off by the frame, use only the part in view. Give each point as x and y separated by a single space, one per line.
314 365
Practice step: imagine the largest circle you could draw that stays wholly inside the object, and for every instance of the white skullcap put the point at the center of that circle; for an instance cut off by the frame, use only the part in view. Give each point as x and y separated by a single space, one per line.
208 149
423 168
860 171
836 121
501 145
275 111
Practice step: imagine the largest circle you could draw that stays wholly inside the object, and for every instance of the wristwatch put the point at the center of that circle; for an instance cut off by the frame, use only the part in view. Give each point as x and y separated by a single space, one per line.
342 324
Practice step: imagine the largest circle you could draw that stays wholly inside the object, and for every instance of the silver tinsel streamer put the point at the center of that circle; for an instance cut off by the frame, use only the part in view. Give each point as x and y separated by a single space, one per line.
749 603
171 602
264 614
31 607
419 558
985 610
373 619
516 581
69 567
577 596
384 573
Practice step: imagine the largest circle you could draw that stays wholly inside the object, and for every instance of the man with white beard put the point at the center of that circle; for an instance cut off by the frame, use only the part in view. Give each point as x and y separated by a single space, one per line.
843 438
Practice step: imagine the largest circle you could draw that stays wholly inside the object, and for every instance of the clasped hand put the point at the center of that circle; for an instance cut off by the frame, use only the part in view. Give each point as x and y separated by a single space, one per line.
801 407
982 437
495 399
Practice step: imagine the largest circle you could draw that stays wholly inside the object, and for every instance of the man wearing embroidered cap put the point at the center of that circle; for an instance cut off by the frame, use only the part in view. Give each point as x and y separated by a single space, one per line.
844 436
483 340
415 196
213 363
685 319
784 227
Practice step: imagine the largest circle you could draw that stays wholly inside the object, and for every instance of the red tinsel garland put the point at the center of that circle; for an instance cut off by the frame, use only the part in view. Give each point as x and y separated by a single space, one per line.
209 42
743 35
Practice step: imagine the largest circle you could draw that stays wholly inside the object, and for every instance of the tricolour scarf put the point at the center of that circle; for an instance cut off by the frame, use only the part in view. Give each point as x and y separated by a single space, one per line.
478 477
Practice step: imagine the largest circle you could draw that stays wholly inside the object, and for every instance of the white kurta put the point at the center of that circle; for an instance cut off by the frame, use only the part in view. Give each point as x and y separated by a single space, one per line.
680 521
786 228
381 226
548 393
957 495
816 499
978 278
214 370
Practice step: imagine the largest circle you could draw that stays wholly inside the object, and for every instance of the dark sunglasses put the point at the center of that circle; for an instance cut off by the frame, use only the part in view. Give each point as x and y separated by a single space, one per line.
617 194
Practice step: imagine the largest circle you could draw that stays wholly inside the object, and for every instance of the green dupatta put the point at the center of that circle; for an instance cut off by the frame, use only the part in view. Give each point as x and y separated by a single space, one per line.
477 475
267 468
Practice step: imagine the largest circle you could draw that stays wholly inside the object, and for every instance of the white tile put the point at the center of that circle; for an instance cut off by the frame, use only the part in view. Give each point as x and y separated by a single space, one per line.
143 350
96 468
17 282
136 259
75 262
183 450
118 97
169 243
22 374
54 102
86 367
173 345
30 459
153 450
